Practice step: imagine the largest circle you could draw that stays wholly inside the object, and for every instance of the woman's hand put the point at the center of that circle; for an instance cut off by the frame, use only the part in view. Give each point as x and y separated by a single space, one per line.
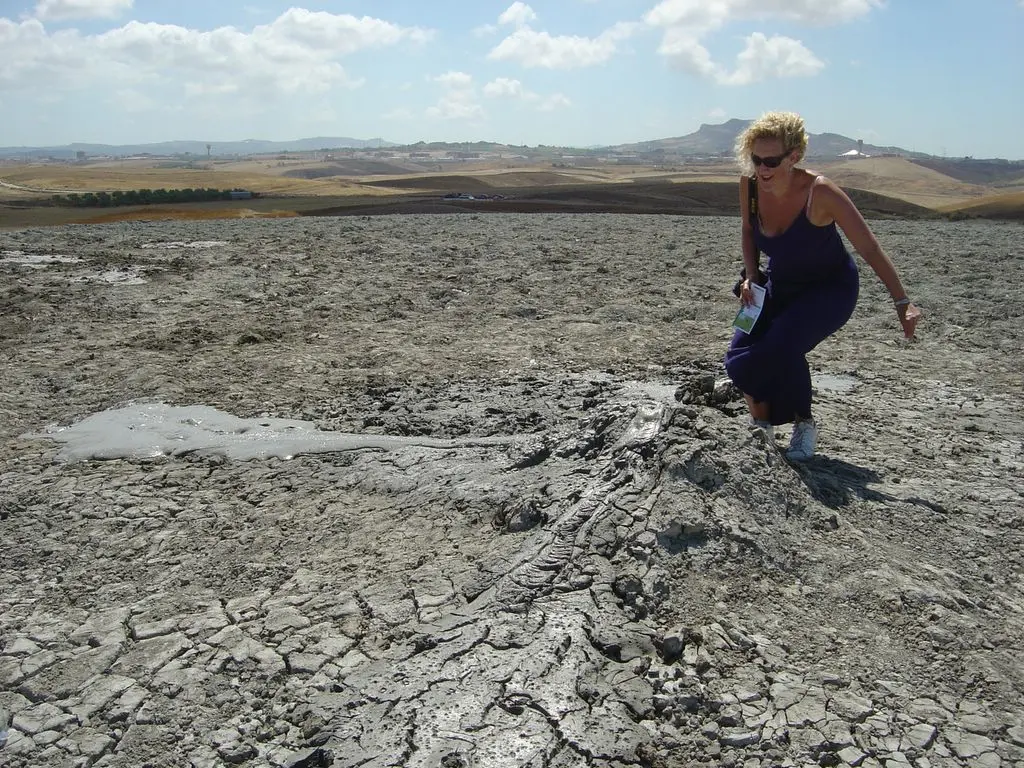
909 316
746 295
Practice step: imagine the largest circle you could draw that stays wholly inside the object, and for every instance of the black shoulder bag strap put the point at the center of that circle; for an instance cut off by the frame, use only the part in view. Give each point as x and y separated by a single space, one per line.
752 204
752 192
755 222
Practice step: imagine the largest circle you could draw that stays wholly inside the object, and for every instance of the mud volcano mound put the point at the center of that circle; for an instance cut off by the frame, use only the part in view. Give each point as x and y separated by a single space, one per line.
445 491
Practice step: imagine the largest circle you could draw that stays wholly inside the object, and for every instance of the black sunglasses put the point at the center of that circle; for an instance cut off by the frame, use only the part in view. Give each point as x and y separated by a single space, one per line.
771 162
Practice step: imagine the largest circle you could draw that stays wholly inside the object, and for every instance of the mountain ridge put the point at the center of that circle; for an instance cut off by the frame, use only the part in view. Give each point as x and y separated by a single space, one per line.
710 139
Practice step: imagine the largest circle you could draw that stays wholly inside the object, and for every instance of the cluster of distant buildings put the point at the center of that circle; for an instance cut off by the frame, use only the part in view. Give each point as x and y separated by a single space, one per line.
858 152
436 155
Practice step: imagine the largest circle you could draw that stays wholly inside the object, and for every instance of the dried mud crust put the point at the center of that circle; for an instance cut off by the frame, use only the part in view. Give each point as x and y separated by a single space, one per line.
634 580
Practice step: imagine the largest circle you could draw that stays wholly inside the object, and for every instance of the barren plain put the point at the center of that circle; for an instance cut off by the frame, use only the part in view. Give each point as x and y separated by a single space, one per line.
470 490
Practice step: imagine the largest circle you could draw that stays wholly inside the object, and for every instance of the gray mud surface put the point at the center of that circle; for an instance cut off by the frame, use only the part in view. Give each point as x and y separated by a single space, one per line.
576 555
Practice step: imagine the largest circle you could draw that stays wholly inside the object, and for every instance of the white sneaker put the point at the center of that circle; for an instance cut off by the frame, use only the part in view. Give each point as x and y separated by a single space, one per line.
765 426
803 441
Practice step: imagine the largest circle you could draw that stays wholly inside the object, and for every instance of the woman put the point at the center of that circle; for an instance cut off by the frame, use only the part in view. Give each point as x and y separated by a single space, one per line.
811 279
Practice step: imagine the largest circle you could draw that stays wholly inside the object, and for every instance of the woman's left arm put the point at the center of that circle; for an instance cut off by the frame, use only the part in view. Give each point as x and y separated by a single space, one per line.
830 201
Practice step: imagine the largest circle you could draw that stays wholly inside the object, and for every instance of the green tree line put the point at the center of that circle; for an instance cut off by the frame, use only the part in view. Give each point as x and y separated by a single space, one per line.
140 197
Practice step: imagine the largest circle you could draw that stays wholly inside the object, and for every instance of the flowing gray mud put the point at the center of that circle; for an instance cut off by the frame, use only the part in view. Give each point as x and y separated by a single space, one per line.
469 491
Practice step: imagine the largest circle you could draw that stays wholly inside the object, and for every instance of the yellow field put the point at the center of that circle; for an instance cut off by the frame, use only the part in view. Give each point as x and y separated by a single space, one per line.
1010 204
111 177
898 177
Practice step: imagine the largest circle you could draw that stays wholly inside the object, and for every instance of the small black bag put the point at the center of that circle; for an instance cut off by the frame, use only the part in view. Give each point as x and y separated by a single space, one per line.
761 276
738 288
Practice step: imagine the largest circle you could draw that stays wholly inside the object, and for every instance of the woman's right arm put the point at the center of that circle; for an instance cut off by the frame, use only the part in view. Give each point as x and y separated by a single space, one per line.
750 254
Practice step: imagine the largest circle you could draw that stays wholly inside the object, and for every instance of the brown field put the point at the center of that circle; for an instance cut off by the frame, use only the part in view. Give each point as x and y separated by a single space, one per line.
1005 206
883 186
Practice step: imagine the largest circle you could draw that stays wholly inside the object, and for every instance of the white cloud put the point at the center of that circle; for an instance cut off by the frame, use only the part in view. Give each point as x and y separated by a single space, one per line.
553 102
339 34
702 15
518 14
456 105
458 102
684 24
776 57
763 58
685 51
506 88
484 30
62 10
298 51
717 113
532 48
455 80
539 49
503 86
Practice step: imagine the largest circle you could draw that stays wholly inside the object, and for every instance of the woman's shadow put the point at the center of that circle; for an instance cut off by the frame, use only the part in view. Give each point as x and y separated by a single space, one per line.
835 483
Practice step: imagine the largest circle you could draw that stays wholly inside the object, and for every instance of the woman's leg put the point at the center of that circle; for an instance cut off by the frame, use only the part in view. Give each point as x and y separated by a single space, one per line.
759 411
771 368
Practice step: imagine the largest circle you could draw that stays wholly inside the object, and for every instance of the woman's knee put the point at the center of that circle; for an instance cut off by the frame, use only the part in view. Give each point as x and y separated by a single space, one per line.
741 370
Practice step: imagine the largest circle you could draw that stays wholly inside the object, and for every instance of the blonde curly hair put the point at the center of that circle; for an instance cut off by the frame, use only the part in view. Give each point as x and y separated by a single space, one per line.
787 127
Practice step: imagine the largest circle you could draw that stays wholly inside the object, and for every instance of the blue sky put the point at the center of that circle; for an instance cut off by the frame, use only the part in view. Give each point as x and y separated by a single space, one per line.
938 76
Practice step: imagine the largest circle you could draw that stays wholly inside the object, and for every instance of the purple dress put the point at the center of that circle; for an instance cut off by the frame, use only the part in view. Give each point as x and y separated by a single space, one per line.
812 290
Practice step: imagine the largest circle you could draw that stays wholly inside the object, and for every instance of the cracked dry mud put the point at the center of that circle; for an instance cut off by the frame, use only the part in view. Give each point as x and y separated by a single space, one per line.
631 578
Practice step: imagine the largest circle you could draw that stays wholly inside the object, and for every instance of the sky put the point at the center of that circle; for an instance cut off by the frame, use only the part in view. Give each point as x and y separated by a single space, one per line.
939 76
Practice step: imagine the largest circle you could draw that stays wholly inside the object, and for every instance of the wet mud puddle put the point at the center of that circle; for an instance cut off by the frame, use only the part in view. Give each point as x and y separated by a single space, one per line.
154 430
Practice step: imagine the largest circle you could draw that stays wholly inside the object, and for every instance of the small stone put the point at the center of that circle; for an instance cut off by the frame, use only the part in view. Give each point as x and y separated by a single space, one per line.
285 618
672 645
988 760
10 672
1015 735
850 706
236 754
90 742
711 729
928 710
975 723
21 646
739 738
837 734
920 737
970 744
785 695
305 662
809 710
851 756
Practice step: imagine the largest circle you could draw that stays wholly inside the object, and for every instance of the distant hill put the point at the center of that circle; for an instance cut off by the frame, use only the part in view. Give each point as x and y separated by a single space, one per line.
218 148
993 172
719 140
710 140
